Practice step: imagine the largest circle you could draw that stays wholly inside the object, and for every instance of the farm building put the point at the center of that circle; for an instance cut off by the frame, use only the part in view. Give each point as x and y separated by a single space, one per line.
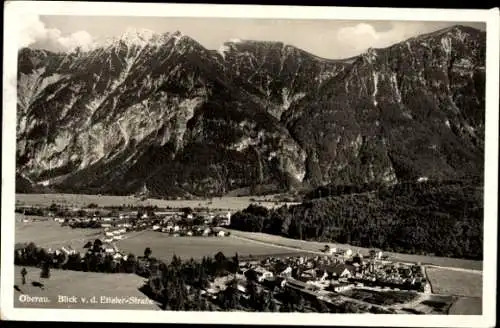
340 287
68 250
331 250
258 274
263 274
108 248
340 270
287 272
423 179
241 288
310 273
376 254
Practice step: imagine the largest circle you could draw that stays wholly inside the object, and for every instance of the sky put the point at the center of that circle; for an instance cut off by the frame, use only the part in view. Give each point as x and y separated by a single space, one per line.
325 38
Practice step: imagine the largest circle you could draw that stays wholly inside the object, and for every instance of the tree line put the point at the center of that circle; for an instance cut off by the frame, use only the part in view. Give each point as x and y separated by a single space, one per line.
442 219
94 260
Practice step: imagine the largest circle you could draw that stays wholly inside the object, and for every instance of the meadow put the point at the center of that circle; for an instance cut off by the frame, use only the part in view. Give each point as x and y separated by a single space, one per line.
77 200
49 234
453 282
165 246
81 284
467 306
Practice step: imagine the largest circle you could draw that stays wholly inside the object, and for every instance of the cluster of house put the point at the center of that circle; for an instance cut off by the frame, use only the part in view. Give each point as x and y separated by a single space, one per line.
315 275
107 248
115 234
179 229
174 223
204 224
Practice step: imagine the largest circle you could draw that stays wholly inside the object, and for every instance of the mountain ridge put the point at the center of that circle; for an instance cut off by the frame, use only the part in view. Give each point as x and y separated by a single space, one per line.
263 113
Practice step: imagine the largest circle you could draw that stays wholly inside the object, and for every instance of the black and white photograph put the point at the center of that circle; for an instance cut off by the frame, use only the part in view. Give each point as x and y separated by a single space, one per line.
298 164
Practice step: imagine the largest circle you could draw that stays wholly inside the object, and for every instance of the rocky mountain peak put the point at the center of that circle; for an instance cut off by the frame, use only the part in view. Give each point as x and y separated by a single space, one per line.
163 110
141 37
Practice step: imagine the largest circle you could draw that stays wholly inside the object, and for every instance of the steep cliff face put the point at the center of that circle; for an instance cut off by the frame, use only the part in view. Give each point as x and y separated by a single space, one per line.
411 110
162 109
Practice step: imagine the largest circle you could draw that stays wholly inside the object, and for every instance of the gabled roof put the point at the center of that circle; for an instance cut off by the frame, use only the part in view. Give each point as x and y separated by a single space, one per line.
338 268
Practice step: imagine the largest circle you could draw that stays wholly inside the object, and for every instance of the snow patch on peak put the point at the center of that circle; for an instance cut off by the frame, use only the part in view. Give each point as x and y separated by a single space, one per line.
177 36
235 40
142 37
137 35
223 49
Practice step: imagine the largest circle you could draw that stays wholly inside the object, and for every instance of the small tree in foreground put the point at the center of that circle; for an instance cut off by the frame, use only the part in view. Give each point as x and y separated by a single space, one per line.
23 275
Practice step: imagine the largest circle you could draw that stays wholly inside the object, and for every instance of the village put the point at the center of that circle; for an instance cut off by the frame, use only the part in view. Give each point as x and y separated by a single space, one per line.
323 277
115 226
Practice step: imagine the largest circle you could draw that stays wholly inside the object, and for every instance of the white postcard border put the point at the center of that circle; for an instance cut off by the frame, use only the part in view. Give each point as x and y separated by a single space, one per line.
13 13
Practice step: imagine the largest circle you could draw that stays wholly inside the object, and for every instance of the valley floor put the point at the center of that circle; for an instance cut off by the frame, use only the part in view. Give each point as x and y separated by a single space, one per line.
461 279
75 200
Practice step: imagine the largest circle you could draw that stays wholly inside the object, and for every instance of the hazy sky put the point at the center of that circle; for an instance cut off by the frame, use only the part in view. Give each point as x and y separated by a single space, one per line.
325 38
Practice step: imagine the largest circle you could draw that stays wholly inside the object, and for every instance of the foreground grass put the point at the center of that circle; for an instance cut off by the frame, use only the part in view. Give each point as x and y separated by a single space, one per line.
452 282
80 284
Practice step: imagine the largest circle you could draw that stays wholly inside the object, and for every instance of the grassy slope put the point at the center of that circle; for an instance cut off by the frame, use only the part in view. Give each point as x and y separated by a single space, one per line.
81 284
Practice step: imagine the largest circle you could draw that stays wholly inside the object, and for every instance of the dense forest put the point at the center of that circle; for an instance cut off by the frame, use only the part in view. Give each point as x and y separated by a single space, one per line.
434 218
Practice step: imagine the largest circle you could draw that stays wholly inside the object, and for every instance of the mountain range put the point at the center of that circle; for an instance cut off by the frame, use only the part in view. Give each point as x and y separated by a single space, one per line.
163 111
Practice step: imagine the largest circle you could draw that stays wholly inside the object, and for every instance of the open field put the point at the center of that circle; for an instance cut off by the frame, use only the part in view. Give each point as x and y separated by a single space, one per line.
226 203
50 234
81 284
164 246
452 282
318 246
467 305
